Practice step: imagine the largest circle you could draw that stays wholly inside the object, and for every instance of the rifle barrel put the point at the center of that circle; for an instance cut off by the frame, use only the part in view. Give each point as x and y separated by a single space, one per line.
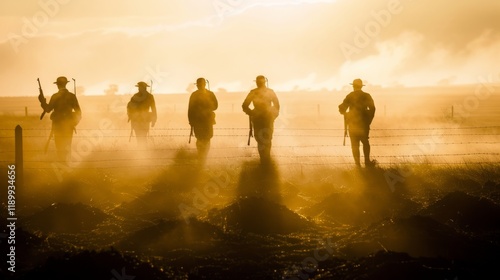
41 94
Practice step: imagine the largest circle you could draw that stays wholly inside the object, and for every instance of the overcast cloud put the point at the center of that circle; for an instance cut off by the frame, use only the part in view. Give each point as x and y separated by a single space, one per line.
297 44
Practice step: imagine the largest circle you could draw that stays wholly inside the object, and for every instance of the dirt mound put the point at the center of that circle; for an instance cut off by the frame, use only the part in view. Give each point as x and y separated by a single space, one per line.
392 265
257 180
151 206
23 239
27 249
258 215
175 186
66 218
490 185
361 209
173 235
466 212
95 265
418 236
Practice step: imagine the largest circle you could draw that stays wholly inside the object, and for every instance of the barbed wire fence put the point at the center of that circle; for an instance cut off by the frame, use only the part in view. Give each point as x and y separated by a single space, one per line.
112 149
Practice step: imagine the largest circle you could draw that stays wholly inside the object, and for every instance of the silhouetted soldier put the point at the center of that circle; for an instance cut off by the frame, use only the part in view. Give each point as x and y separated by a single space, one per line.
265 110
139 114
201 116
66 116
358 118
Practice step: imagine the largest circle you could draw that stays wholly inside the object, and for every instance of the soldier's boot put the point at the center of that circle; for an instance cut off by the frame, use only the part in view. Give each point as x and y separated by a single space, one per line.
366 153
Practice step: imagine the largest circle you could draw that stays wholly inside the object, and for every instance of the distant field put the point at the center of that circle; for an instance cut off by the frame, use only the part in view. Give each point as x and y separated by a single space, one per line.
411 125
429 209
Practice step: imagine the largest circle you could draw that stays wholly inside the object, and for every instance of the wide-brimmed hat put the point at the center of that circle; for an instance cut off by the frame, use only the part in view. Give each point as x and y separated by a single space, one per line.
142 84
61 81
357 83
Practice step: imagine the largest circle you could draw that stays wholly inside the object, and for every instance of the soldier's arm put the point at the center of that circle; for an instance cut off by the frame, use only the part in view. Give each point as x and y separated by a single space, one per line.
77 109
48 107
190 110
371 108
246 103
276 102
154 115
215 103
76 106
345 105
371 104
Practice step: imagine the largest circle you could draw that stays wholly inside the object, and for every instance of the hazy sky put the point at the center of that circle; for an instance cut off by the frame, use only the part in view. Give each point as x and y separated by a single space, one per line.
298 44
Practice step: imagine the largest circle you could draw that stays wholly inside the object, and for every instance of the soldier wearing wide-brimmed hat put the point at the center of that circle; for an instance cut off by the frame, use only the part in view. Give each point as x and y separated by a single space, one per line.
65 116
141 111
358 109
